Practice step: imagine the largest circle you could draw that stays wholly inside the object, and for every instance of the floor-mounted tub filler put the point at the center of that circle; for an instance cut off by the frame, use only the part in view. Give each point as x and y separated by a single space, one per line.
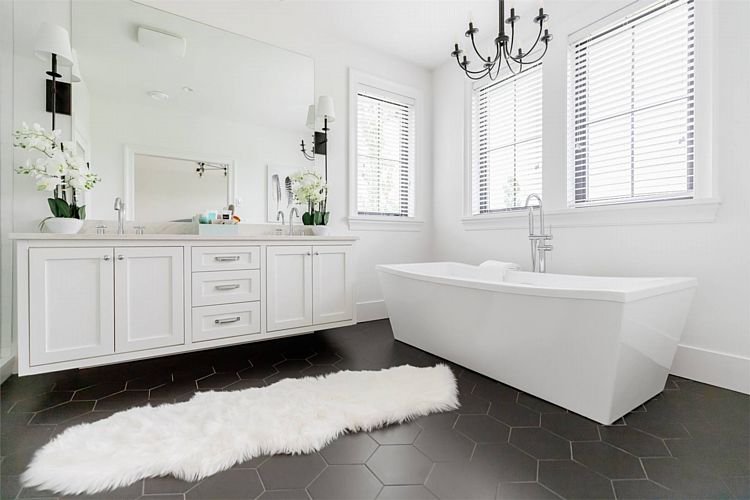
597 346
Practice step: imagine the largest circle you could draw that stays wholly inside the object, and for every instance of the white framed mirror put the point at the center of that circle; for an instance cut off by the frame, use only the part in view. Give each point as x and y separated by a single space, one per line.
164 185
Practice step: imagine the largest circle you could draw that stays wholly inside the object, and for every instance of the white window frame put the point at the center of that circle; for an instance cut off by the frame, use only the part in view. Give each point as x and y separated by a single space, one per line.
476 87
622 26
360 81
701 208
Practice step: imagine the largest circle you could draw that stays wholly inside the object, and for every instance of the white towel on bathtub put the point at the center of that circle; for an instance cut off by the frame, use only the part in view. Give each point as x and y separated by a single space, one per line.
494 270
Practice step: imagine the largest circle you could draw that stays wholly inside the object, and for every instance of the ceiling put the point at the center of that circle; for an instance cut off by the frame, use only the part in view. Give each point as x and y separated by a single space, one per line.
419 31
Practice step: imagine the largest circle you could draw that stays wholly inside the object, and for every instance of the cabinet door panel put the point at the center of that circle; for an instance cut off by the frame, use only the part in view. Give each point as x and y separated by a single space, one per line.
149 298
288 287
72 304
333 284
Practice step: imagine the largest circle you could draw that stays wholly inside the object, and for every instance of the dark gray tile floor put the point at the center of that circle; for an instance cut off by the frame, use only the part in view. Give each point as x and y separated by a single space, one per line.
691 441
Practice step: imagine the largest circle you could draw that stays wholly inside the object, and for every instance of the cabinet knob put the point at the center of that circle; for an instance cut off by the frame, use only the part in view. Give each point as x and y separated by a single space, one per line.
309 253
317 253
120 257
107 257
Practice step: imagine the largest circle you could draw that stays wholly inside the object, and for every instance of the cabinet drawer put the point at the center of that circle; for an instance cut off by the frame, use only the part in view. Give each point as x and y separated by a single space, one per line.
225 258
225 287
229 320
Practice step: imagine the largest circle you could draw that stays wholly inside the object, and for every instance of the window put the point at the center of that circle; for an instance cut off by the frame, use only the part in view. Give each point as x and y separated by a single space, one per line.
507 142
385 153
632 101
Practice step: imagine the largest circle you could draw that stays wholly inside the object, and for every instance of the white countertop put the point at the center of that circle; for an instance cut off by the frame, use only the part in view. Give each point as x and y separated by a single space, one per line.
174 237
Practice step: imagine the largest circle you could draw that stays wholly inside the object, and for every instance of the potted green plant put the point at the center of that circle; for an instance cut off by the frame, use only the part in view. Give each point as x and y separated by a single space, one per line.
60 170
311 190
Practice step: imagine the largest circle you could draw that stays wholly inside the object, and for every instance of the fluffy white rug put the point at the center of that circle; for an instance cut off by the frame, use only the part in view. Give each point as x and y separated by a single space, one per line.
215 430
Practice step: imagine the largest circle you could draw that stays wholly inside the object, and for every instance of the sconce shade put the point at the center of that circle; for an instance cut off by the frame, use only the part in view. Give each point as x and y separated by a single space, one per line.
53 39
75 71
311 117
325 108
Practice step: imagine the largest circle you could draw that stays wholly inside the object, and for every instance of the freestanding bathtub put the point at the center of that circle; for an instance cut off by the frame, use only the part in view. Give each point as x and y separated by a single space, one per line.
596 346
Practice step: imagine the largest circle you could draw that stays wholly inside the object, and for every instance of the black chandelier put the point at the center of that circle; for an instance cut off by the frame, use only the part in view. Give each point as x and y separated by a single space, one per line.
504 47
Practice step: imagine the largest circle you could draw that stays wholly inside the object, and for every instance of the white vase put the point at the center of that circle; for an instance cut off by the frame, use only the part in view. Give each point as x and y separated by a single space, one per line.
320 230
62 225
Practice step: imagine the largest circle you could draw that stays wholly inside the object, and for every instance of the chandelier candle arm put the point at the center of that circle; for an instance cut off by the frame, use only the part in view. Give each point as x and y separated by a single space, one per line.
503 47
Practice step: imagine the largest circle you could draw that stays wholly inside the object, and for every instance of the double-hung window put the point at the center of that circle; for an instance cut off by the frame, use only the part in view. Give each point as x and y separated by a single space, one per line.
385 147
631 89
506 142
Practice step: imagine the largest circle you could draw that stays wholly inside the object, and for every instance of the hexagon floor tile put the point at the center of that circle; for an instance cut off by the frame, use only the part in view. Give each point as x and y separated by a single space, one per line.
692 440
345 482
349 449
399 464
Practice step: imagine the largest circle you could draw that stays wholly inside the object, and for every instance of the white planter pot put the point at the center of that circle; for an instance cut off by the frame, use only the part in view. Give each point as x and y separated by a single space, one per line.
62 225
319 230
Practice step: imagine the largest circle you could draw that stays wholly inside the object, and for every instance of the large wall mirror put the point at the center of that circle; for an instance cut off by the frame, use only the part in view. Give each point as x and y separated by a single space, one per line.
178 117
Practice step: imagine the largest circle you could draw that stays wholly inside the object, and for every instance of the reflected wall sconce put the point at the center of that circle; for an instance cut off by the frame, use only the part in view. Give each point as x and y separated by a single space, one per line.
324 112
53 46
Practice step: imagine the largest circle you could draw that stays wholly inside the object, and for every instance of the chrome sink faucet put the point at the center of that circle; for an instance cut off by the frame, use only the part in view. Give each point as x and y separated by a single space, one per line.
280 215
539 245
292 213
120 207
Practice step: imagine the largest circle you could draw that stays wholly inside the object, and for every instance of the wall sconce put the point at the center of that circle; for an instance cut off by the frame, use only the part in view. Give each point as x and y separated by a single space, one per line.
323 111
53 46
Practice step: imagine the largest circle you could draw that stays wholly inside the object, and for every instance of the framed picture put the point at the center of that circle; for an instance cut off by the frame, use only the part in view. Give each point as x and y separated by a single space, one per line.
279 191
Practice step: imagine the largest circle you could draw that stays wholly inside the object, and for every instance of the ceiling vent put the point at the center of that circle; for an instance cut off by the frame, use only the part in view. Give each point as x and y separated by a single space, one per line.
160 41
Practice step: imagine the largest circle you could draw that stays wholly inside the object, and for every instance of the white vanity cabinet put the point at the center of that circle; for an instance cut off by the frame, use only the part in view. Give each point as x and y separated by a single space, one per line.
289 289
149 298
87 300
333 284
71 304
309 285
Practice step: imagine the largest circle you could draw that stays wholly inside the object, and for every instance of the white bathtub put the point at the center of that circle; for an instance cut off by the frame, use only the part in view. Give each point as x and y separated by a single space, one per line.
596 346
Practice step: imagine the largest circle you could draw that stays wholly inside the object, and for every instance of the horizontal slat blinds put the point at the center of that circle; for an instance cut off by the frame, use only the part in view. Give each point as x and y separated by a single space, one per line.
632 100
385 155
507 142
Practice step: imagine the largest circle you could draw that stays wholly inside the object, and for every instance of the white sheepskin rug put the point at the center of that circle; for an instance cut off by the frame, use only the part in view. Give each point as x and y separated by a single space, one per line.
215 430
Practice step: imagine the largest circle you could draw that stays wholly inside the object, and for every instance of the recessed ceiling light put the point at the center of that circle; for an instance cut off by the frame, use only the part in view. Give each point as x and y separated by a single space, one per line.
158 95
188 89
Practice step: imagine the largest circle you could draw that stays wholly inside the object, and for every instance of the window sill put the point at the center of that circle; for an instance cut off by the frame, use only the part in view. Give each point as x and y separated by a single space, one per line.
660 212
375 223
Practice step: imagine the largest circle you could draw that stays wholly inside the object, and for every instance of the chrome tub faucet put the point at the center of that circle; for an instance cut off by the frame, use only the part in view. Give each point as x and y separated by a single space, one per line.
539 245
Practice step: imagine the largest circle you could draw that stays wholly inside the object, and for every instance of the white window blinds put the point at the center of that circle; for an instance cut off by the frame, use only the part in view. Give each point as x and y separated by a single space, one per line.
507 142
385 155
631 90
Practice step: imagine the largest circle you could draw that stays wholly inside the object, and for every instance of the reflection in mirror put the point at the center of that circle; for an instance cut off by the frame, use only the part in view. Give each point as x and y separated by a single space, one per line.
170 189
195 91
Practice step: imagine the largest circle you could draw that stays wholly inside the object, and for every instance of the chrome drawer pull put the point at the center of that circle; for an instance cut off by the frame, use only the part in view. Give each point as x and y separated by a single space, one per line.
227 320
227 287
228 258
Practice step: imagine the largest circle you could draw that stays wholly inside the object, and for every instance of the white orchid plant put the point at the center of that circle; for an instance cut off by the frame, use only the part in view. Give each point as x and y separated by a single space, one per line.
311 190
59 169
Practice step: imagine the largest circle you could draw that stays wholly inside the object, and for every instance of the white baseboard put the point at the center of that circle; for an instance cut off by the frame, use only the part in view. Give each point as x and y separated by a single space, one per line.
371 310
7 367
711 367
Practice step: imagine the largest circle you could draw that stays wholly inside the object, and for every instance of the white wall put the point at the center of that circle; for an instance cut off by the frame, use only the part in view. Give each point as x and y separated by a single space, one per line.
716 252
6 185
